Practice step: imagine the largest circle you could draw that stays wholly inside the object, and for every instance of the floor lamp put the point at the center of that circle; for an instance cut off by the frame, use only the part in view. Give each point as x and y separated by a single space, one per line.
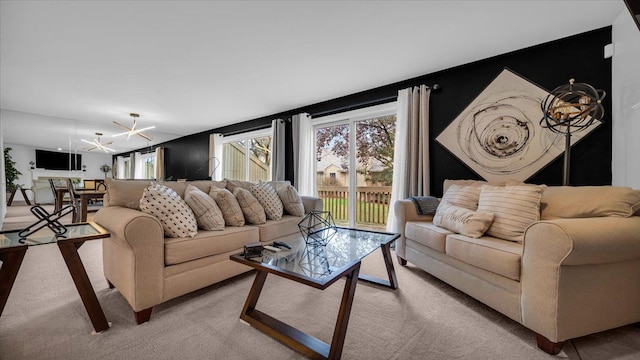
569 109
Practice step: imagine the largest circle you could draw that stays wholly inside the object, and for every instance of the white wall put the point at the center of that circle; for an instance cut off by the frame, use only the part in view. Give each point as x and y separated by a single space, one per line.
22 155
626 93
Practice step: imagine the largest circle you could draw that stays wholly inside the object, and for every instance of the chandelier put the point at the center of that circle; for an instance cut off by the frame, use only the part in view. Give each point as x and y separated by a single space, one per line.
132 130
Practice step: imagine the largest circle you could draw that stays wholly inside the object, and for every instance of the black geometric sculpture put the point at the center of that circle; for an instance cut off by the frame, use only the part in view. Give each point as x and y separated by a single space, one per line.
317 228
48 220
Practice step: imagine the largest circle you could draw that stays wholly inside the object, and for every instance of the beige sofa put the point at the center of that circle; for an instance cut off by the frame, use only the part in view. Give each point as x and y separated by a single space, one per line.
148 268
577 272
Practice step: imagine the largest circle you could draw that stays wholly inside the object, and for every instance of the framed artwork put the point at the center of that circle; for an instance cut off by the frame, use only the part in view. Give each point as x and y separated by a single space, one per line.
498 135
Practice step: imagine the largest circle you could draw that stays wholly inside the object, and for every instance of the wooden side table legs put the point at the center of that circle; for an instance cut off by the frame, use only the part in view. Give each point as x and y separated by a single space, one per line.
11 261
71 257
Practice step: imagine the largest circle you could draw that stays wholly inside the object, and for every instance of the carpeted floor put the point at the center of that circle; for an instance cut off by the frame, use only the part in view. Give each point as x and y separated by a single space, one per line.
423 319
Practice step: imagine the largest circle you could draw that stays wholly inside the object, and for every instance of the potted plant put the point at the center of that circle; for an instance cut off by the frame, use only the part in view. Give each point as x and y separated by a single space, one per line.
11 174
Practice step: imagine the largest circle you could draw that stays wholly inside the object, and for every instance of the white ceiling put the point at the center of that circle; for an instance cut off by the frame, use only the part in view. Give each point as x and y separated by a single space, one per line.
73 67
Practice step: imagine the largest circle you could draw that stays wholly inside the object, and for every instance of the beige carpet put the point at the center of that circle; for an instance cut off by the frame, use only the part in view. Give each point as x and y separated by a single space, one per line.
423 319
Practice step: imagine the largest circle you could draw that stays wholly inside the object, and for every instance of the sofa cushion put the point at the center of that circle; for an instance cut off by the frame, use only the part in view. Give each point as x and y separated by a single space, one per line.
208 243
462 196
291 200
462 221
126 193
205 209
427 234
251 208
496 255
589 201
231 211
167 206
269 199
514 208
275 229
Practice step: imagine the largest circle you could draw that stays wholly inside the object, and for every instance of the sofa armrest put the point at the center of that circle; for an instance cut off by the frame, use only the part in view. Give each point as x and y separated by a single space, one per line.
579 276
405 210
584 241
133 257
311 203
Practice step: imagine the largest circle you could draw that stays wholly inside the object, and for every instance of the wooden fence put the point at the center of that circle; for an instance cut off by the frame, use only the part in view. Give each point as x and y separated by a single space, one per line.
372 203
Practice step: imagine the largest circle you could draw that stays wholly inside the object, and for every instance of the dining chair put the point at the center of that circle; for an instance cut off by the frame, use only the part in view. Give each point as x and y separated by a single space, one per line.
75 199
54 191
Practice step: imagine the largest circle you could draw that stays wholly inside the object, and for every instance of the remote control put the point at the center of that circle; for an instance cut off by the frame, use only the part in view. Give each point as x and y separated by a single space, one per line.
271 248
282 244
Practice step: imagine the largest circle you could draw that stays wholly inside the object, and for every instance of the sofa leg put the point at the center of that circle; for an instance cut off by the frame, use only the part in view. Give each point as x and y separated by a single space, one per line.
143 316
110 285
548 346
402 261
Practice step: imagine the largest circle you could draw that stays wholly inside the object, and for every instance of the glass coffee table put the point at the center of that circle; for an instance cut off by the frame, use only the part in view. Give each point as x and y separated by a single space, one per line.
318 267
13 248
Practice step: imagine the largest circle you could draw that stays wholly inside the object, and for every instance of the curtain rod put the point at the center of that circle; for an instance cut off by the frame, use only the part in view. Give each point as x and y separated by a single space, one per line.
364 104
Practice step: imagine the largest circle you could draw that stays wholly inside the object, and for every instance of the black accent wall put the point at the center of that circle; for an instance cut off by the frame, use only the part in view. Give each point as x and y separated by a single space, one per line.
548 65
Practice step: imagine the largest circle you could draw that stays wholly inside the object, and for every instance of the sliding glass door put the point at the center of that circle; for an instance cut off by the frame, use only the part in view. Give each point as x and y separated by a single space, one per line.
354 167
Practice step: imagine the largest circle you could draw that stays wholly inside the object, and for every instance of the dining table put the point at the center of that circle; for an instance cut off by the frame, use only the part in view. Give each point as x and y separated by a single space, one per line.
84 194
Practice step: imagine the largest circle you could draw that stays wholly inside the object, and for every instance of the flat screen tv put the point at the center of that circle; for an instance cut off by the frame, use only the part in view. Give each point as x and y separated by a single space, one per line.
52 160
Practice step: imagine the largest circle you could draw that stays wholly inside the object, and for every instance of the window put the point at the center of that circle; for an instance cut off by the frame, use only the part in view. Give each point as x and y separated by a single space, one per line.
247 156
145 165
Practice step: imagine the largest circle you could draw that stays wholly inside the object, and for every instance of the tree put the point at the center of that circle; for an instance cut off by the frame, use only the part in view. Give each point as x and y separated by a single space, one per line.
261 148
11 173
375 140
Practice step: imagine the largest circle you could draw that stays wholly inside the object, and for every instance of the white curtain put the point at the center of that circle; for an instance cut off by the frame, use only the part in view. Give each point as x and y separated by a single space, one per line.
278 150
138 167
120 170
305 174
411 150
295 137
215 156
159 168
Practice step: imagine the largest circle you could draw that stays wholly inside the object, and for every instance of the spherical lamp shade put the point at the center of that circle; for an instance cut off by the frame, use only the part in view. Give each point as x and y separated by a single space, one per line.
571 108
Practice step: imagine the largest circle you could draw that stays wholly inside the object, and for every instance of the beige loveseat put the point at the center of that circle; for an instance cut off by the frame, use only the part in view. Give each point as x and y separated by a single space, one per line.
148 268
576 272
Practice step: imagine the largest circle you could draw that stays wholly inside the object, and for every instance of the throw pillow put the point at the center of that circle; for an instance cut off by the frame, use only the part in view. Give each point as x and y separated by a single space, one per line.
269 199
462 221
514 209
251 208
291 201
205 209
233 184
167 206
463 196
231 211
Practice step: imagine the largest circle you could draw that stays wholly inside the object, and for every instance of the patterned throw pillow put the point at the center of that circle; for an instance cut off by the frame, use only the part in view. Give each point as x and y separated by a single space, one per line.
269 199
462 221
251 208
207 212
231 211
290 199
167 206
514 209
462 196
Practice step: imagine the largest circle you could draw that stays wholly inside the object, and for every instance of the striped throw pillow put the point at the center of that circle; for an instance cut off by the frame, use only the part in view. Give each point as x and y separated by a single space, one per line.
463 196
514 209
205 209
291 201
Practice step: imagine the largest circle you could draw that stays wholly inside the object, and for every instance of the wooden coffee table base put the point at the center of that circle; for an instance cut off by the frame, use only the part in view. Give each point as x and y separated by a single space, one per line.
294 338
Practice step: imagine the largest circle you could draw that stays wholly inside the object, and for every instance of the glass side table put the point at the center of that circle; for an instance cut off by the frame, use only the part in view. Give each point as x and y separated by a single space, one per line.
13 248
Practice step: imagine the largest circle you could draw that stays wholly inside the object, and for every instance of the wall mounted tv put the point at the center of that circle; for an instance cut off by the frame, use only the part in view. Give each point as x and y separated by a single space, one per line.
52 160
